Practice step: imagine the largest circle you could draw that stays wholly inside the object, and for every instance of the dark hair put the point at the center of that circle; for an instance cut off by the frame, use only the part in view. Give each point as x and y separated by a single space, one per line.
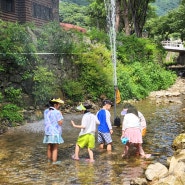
107 102
87 106
127 106
133 110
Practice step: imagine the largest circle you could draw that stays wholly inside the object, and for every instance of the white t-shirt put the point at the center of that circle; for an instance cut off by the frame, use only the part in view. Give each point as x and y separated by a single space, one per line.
89 121
130 120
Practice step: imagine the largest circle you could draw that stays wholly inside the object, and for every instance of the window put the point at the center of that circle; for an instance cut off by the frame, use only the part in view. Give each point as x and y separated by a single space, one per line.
7 5
41 12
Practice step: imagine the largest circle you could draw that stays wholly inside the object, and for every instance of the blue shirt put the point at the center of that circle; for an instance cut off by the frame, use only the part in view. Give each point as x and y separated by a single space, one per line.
105 123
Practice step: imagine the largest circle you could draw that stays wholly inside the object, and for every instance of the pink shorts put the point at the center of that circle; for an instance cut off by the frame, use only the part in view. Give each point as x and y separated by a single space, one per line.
134 135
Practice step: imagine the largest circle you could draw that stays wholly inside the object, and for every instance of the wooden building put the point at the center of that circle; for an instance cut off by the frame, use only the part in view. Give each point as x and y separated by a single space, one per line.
22 11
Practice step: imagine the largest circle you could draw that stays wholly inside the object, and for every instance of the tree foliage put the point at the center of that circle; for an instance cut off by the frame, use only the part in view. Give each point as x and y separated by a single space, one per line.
96 71
12 113
139 65
73 13
140 69
140 50
52 38
170 25
45 85
97 14
16 43
139 11
130 15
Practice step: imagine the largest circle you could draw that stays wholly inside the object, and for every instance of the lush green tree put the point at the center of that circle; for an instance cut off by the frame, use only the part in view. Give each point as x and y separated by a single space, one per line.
16 43
97 14
73 13
132 49
166 26
140 68
139 10
130 15
177 21
44 86
96 71
52 38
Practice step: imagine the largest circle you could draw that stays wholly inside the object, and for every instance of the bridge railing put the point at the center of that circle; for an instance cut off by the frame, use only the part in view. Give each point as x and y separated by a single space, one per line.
172 44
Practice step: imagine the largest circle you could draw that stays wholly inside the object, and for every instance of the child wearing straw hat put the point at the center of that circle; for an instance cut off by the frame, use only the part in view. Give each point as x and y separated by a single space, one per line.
53 121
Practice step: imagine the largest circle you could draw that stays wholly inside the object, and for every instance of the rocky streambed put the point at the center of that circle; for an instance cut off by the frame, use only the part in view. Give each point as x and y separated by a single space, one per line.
174 172
23 155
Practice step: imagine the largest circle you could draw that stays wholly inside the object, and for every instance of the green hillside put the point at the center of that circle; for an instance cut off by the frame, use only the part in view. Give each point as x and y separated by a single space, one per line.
164 6
78 2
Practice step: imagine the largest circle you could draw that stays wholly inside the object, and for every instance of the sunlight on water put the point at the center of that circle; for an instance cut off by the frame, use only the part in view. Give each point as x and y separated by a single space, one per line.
23 155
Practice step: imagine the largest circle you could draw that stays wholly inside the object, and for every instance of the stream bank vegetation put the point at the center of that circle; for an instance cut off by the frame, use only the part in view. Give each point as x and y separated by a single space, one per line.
140 68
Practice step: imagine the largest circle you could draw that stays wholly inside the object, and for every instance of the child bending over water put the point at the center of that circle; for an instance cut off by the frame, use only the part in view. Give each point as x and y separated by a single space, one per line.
131 129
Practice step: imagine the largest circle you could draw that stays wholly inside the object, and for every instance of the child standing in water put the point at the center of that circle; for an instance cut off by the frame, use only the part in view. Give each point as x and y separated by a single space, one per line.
105 128
140 115
87 134
131 129
53 120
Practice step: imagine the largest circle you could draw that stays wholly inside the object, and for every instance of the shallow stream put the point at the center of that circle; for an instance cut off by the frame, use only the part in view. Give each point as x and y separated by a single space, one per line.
23 155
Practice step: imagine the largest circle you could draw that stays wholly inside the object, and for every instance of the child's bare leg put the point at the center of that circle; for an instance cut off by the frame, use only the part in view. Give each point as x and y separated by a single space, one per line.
91 156
77 149
141 151
49 151
109 147
54 152
125 151
137 149
101 146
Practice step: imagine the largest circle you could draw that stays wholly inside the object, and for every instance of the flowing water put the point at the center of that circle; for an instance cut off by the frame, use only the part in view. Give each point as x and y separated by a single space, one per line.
23 155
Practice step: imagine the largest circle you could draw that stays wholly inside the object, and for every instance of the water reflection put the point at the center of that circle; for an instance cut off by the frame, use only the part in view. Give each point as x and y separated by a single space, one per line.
23 155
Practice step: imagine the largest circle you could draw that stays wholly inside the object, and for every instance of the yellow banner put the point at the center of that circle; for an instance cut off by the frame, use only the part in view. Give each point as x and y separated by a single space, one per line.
118 96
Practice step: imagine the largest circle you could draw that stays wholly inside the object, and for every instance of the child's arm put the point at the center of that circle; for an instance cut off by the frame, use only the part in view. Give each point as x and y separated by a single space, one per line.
76 126
123 133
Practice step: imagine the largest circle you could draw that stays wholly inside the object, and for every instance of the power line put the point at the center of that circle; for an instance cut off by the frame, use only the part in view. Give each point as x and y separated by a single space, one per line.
41 53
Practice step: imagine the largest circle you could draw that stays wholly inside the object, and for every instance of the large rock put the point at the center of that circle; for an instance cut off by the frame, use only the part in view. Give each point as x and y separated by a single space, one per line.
160 175
156 171
177 165
169 180
179 141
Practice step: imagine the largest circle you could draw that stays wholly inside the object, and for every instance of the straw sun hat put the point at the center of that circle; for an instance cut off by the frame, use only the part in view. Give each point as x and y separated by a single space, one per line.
58 100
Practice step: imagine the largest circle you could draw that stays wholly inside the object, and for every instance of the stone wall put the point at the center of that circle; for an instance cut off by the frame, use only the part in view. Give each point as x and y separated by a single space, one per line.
14 75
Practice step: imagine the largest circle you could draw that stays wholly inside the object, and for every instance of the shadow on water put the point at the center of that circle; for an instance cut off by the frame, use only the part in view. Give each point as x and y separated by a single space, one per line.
23 155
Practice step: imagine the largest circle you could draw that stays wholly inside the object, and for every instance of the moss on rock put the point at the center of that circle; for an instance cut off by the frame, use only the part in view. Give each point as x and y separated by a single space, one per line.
178 141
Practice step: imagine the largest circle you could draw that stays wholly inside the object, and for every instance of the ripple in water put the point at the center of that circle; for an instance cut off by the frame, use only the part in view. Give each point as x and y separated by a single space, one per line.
23 155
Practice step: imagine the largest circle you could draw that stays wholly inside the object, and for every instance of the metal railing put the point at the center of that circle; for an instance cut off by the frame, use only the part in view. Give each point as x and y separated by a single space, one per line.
173 44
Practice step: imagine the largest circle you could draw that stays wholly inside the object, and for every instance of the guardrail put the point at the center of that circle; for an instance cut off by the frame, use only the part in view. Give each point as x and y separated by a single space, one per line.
173 44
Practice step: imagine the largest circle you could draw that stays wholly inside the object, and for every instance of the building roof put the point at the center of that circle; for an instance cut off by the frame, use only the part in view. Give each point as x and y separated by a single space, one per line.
68 26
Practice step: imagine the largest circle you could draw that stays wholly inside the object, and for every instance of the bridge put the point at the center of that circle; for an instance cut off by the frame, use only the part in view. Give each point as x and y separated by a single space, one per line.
174 46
